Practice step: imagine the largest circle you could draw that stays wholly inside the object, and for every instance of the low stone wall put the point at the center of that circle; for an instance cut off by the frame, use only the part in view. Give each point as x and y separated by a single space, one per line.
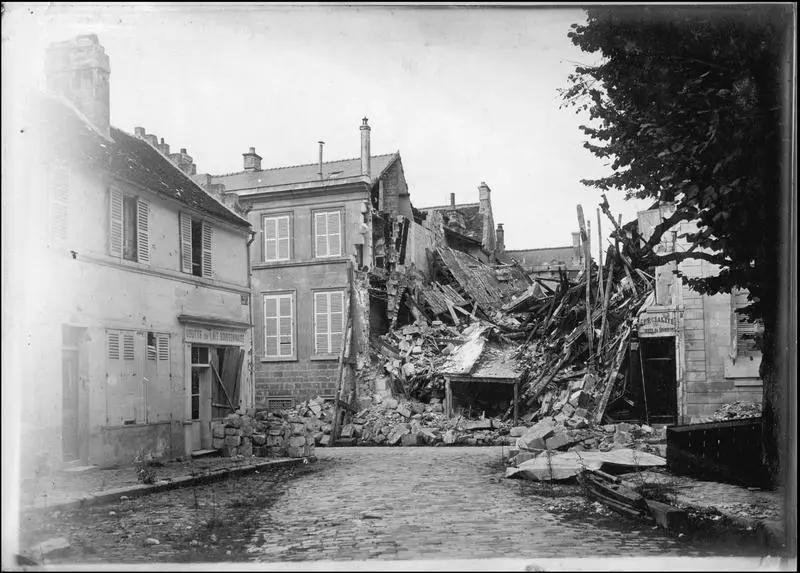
263 434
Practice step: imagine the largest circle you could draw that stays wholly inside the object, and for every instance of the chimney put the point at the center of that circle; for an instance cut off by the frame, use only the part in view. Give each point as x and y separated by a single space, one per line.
365 153
252 160
501 238
488 241
576 246
184 162
139 132
151 139
484 193
78 70
452 199
321 144
163 147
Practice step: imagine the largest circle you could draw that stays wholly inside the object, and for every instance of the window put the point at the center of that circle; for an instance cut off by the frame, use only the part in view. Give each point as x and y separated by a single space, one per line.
279 325
277 242
124 392
328 233
129 227
744 331
328 322
196 245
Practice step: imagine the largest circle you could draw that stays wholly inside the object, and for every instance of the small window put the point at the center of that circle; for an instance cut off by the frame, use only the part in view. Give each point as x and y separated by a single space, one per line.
744 330
279 325
129 230
151 346
129 247
328 322
200 355
277 238
328 234
196 246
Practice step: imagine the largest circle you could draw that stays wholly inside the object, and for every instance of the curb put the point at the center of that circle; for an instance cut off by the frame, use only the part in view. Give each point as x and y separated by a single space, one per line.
111 495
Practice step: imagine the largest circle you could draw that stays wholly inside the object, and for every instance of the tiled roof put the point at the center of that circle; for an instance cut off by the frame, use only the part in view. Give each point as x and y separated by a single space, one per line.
123 156
557 256
295 174
466 214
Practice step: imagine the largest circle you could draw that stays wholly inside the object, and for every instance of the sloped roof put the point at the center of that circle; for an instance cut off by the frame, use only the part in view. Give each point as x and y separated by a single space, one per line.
307 173
467 213
560 256
123 156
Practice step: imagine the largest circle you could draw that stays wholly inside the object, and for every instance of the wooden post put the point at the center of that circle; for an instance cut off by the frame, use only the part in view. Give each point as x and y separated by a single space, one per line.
606 297
516 401
344 350
599 257
588 278
448 398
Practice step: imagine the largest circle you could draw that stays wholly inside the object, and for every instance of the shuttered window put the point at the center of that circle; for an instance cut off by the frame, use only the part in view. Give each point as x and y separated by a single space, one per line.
277 238
279 325
328 233
129 227
125 393
743 329
197 245
58 184
328 322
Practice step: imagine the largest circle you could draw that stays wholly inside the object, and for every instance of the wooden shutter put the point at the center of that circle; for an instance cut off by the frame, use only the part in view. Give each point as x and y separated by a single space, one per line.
112 344
283 238
143 231
745 329
334 234
285 317
186 243
128 346
270 326
59 200
336 321
208 235
321 327
163 346
321 234
270 238
115 217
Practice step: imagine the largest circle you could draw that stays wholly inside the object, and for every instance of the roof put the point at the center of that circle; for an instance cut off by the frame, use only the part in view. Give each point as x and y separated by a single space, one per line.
307 173
465 219
561 256
123 157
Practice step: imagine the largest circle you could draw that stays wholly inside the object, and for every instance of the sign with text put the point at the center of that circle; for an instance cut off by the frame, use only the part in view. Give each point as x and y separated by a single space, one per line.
663 323
214 336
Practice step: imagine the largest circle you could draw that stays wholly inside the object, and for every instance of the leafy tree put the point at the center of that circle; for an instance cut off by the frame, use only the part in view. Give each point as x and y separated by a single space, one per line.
689 105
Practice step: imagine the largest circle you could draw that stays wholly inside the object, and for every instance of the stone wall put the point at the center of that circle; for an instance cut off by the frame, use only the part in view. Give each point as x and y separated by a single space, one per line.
263 434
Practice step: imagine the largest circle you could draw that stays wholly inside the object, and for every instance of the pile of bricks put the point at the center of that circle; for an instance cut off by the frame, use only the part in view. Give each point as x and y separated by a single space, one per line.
263 434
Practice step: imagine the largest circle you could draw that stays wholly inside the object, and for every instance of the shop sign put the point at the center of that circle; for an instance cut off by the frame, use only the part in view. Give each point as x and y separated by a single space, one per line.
653 324
215 336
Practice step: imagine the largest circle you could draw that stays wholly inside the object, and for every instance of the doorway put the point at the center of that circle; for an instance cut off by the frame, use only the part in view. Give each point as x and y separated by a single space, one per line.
71 393
657 356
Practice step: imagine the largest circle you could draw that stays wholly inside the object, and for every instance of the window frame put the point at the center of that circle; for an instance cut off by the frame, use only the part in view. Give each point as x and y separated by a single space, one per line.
290 233
141 217
187 247
327 211
277 295
330 354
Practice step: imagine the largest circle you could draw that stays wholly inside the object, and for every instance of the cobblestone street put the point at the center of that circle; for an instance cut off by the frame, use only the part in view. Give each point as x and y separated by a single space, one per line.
356 504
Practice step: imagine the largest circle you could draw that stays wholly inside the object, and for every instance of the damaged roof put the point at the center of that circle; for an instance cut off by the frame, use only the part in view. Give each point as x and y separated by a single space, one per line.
559 256
307 173
465 219
122 156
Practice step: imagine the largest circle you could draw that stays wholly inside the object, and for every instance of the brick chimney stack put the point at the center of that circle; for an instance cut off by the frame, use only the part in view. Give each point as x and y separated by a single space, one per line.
365 152
252 160
452 199
79 70
576 246
501 238
485 209
184 162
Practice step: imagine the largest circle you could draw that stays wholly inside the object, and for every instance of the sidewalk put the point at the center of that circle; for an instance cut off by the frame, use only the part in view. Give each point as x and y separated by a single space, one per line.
68 488
751 508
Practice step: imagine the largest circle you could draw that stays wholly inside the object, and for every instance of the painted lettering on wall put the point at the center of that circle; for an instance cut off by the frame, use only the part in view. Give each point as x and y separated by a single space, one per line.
202 335
658 324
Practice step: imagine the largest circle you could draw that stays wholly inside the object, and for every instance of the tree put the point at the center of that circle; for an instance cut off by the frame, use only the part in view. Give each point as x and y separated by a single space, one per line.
689 105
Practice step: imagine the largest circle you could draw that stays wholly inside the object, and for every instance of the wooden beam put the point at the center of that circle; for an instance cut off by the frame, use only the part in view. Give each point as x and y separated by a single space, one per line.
599 257
588 278
606 297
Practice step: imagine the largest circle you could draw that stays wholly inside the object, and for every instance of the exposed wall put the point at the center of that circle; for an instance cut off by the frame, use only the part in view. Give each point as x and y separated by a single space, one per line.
420 239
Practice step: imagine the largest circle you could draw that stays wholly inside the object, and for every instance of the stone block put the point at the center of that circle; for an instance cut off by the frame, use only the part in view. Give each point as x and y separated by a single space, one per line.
517 431
389 404
297 441
560 440
233 421
229 451
411 439
358 430
298 429
347 431
579 399
437 407
274 441
317 437
404 411
217 443
535 435
233 441
230 431
218 431
379 439
622 438
450 437
418 407
247 429
568 410
246 449
260 451
276 432
623 427
295 452
325 440
259 439
310 439
478 425
609 428
397 434
581 413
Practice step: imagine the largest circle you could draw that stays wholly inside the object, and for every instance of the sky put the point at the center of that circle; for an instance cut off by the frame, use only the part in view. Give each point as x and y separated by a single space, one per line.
465 94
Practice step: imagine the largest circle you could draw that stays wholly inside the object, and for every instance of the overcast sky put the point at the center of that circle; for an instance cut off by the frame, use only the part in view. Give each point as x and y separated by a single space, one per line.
465 95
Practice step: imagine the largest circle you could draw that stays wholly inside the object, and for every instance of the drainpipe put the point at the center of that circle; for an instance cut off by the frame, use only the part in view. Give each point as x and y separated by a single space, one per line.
252 322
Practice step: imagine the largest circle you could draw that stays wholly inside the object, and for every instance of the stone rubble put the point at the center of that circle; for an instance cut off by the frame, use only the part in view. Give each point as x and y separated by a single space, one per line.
264 434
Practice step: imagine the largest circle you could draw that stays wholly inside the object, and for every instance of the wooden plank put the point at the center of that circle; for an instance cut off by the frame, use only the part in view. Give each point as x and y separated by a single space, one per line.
219 380
612 378
588 279
604 311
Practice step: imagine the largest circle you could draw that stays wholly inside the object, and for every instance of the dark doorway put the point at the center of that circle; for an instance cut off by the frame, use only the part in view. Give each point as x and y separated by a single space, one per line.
657 356
70 394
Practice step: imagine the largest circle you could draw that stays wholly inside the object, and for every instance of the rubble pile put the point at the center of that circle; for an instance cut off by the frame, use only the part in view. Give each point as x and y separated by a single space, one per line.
736 411
263 434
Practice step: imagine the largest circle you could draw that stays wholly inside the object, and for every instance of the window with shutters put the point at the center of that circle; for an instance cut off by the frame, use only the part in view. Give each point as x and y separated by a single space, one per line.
744 331
129 227
125 383
279 326
328 233
277 237
197 238
329 322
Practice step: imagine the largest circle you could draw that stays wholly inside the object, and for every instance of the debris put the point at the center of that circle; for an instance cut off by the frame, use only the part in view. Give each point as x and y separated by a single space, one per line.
566 465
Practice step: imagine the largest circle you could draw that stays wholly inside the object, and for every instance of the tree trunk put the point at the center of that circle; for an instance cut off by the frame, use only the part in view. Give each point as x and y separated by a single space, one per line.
773 409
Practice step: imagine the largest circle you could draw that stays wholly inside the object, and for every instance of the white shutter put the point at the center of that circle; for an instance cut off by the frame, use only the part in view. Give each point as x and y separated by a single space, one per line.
321 234
279 325
163 346
283 238
285 318
143 231
59 200
336 321
128 346
208 235
334 234
186 243
270 239
115 218
112 340
321 329
270 326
